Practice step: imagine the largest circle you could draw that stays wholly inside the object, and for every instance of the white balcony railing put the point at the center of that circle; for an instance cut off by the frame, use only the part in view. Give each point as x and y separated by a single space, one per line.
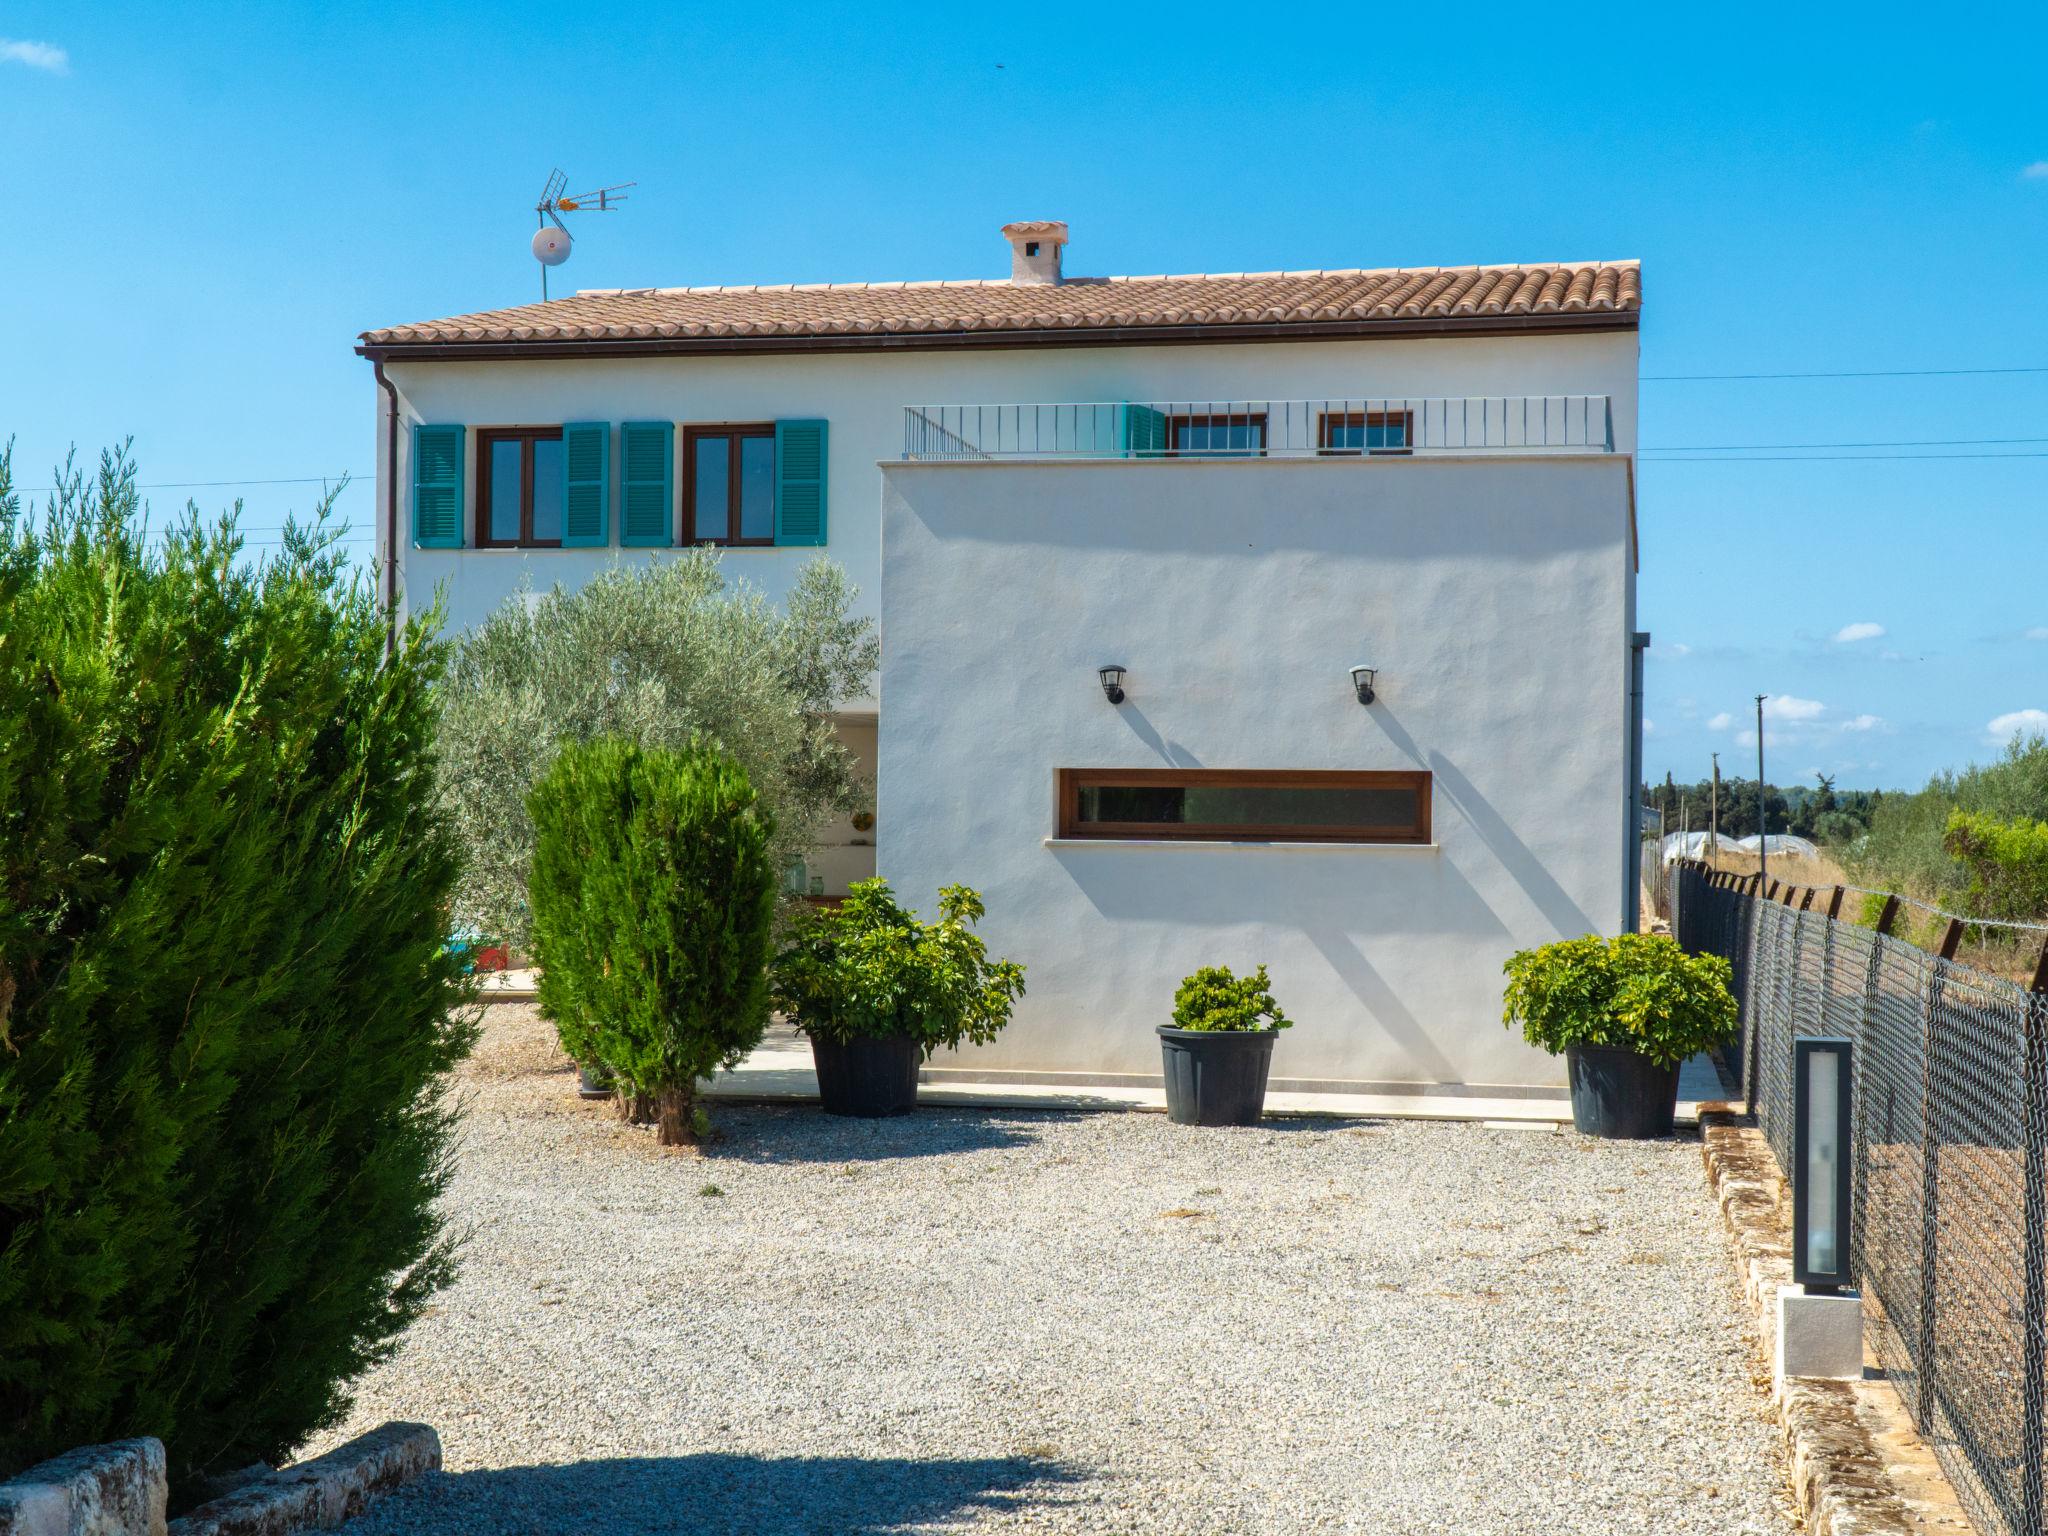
1235 429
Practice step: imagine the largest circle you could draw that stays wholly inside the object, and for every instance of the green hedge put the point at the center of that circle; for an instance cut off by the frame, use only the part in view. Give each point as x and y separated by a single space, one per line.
654 892
223 997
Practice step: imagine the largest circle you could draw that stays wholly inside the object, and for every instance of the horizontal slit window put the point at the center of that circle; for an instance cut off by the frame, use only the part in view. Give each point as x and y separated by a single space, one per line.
1245 805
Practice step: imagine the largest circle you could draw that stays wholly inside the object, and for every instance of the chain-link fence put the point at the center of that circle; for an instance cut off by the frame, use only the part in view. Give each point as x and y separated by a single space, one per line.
1950 1107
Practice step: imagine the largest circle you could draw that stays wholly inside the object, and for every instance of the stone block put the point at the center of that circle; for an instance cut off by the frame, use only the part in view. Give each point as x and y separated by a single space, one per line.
1819 1336
322 1493
117 1489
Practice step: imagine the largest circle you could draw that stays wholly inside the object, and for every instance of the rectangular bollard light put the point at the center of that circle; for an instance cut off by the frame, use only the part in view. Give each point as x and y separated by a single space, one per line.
1820 1317
1820 1163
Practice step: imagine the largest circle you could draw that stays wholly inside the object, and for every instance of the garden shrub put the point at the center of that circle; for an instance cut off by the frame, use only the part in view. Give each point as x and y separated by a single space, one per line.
2007 863
1906 848
663 653
870 968
225 1001
654 895
1640 991
1214 999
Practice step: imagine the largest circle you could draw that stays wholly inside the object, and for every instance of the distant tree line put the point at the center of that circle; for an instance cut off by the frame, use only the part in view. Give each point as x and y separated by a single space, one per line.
1972 841
1818 811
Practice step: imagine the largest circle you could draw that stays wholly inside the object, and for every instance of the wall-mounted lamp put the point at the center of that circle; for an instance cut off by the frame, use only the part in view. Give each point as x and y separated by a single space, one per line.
1112 683
1821 1068
1361 681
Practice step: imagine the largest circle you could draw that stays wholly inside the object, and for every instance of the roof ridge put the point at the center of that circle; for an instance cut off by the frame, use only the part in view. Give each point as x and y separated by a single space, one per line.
895 284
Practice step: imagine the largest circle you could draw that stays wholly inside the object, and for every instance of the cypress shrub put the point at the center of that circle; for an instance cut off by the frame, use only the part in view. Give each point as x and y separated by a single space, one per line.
653 893
223 999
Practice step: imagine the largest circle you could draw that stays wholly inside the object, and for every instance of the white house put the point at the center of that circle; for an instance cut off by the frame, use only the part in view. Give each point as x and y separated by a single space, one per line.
1237 488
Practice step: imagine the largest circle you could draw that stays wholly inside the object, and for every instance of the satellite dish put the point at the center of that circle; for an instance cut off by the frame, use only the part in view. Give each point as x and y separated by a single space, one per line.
550 245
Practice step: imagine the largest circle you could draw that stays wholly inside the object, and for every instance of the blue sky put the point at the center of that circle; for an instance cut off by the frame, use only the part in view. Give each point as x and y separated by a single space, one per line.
210 201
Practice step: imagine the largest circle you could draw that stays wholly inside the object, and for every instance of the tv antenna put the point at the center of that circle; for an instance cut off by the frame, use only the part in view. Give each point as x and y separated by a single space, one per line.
552 241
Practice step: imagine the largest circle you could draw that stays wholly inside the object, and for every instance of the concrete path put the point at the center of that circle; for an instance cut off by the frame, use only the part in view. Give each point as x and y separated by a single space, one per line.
781 1072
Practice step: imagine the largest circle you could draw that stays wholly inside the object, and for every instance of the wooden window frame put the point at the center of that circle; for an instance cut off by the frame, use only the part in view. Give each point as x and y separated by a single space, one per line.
734 432
1069 782
1365 420
1174 425
486 439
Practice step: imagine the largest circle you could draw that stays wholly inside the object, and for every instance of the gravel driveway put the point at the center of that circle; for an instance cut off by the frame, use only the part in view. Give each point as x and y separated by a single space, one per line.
1047 1321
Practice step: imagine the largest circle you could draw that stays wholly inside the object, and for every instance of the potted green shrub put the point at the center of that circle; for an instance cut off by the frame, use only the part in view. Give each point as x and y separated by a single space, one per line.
1218 1049
878 992
1624 1012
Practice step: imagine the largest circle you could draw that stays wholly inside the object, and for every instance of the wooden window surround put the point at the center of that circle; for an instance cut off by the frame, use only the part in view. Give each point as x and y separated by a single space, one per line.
725 508
1251 424
1244 805
490 482
1363 423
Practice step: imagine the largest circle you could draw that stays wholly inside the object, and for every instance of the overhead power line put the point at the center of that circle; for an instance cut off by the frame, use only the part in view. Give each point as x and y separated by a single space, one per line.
1669 457
354 479
1871 373
1904 442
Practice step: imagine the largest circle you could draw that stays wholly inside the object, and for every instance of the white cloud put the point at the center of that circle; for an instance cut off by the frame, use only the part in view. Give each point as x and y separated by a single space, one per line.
1863 723
2038 171
1649 726
1785 706
2032 722
1678 648
46 56
1721 722
1865 630
2038 632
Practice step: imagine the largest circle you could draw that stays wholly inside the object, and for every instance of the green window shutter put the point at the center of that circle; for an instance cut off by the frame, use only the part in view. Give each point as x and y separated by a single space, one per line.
647 499
800 482
1143 431
587 496
436 487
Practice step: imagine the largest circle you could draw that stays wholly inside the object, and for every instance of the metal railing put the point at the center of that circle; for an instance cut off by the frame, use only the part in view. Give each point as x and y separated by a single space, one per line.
1949 1151
1235 429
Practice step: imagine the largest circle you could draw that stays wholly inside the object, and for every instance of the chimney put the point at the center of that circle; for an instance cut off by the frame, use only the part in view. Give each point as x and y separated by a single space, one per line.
1035 250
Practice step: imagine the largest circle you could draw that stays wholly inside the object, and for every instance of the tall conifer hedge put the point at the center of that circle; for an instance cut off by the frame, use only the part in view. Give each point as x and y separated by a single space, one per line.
224 1004
653 915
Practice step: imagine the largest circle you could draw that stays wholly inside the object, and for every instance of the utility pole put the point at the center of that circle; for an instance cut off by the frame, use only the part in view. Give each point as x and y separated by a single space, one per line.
1714 814
1763 820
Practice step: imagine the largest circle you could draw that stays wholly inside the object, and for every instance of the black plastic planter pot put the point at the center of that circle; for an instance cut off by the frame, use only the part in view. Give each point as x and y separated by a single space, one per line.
871 1076
593 1082
1619 1093
1216 1077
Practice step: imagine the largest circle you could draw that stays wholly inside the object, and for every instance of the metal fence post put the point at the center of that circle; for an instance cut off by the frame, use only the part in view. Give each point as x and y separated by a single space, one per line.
1746 914
1930 1199
2034 1316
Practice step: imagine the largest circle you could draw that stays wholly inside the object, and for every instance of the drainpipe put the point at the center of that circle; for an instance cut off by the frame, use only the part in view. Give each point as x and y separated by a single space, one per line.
390 509
1632 907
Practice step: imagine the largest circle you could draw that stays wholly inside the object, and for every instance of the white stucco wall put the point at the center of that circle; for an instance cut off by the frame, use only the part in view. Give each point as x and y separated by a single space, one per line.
862 395
1492 594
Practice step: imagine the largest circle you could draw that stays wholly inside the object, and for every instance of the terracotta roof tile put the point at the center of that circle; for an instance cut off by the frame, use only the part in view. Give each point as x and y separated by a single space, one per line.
1219 300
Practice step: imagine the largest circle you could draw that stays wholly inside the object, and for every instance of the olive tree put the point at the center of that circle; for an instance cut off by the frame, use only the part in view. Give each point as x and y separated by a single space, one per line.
665 654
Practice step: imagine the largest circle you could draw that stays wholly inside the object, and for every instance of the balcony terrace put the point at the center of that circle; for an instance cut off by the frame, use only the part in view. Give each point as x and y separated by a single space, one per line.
1241 429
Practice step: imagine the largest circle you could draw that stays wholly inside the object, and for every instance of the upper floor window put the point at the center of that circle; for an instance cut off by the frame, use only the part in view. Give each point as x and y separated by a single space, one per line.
729 481
519 487
1241 435
1363 432
551 487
